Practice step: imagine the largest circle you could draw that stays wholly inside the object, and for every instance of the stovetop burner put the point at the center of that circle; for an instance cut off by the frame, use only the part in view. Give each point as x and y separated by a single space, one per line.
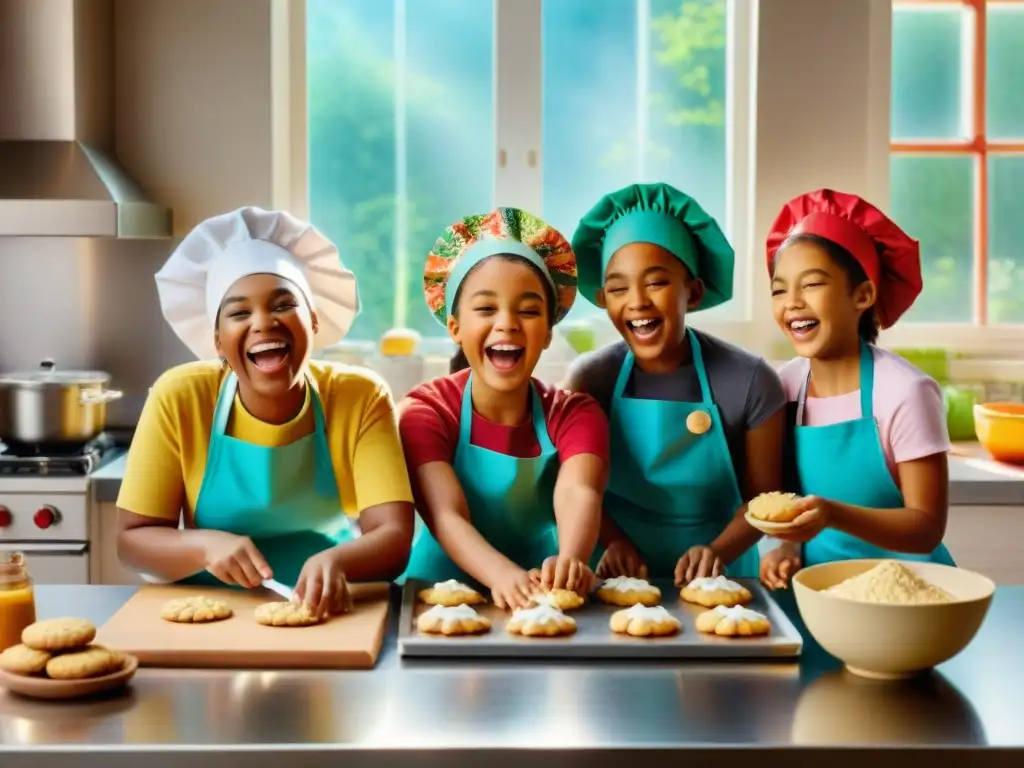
40 459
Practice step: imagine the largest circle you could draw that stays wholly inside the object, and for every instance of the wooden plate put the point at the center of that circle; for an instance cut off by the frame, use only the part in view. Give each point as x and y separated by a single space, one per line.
765 526
45 688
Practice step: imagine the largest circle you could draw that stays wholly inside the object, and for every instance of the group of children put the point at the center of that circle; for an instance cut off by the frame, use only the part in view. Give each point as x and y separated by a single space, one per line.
642 462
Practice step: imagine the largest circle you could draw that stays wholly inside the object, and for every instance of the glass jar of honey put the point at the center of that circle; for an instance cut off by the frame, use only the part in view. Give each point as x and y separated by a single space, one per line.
17 598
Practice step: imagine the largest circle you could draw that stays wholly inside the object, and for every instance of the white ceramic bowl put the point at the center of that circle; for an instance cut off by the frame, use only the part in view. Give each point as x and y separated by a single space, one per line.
892 641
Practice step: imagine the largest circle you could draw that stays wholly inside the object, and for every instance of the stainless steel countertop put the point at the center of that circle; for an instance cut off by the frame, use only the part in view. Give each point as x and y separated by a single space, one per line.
412 713
972 482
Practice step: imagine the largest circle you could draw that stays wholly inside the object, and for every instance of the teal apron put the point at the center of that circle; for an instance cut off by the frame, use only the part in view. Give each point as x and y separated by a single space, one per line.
284 498
669 489
510 500
844 462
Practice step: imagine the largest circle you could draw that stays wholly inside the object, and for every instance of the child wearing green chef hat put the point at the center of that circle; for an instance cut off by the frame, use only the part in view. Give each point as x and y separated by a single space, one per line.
696 423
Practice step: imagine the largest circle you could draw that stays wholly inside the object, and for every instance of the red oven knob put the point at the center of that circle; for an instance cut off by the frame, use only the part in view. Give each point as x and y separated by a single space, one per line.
45 517
5 517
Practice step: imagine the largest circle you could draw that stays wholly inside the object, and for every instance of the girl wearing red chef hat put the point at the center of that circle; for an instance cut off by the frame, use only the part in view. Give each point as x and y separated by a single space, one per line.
868 431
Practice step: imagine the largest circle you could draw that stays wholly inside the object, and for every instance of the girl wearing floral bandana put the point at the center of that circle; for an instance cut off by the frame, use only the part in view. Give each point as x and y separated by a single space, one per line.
508 473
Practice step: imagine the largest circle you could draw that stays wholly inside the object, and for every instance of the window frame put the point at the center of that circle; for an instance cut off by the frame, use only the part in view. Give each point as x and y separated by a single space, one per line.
979 336
518 151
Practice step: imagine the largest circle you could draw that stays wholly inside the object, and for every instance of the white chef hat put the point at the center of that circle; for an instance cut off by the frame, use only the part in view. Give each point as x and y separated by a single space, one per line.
248 241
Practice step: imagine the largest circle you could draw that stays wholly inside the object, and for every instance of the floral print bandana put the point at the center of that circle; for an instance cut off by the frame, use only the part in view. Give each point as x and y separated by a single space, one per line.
503 231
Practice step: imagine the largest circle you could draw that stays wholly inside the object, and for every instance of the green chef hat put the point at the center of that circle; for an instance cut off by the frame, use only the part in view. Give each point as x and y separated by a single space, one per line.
661 215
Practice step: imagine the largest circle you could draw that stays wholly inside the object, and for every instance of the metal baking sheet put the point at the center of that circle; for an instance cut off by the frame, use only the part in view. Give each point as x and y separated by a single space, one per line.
595 640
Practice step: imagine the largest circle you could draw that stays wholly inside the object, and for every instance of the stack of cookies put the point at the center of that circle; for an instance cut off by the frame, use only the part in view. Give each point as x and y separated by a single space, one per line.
61 649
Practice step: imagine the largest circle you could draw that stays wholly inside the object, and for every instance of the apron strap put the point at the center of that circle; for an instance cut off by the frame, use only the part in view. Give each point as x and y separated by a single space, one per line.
698 364
466 414
540 424
867 385
225 401
867 379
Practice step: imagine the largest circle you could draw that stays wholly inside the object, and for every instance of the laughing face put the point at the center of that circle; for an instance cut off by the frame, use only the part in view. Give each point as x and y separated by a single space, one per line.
647 292
814 302
264 332
502 322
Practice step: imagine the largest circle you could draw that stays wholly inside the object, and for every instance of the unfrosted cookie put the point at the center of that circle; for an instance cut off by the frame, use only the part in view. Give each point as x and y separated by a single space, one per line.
645 621
733 621
562 599
712 591
625 591
452 620
94 661
540 621
450 593
285 614
22 660
195 610
774 507
58 634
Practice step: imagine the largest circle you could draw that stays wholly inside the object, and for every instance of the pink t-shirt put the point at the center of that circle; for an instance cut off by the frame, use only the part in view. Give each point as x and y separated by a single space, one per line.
907 405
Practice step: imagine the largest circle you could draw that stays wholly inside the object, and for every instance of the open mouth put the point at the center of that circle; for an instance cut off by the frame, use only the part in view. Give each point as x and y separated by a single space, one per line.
645 328
801 328
504 357
269 356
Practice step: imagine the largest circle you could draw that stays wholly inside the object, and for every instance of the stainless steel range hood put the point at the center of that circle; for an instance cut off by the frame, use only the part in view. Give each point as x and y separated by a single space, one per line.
58 175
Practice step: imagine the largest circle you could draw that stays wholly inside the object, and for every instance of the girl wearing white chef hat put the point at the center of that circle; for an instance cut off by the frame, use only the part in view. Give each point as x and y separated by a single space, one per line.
265 453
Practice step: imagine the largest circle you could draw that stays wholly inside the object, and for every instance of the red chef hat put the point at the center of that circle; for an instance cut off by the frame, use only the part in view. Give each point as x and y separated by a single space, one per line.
890 257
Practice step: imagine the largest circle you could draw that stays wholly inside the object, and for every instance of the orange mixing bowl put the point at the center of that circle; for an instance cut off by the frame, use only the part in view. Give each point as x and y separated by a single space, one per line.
1000 429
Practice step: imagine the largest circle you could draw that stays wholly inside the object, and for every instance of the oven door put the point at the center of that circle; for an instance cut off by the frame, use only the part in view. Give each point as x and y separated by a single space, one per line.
56 562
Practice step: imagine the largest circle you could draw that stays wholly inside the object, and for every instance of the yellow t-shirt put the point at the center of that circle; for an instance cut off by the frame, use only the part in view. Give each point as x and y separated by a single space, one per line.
167 457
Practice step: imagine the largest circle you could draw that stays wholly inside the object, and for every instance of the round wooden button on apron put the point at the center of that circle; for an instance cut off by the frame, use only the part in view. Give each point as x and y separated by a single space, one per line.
698 422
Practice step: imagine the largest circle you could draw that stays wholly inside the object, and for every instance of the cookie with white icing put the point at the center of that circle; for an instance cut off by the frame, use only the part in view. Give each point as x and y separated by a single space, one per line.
452 620
645 621
450 593
733 621
713 591
562 599
626 591
540 621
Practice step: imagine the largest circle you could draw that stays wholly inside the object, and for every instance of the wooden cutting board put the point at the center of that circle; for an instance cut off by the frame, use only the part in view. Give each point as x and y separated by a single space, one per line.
351 641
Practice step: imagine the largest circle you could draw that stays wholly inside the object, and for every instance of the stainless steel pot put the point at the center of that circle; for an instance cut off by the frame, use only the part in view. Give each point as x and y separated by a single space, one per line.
53 407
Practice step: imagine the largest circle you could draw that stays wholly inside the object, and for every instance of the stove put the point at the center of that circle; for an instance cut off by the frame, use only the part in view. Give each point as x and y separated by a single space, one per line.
44 506
41 460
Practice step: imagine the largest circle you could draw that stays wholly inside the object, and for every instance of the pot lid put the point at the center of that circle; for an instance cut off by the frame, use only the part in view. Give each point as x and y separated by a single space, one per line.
48 374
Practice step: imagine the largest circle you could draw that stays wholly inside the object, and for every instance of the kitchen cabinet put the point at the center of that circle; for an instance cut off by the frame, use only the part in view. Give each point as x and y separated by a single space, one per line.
106 568
989 540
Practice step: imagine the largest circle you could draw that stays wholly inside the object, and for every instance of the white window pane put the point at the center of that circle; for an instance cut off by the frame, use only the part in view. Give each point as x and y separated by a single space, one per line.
634 91
1005 70
401 142
930 56
1005 239
932 198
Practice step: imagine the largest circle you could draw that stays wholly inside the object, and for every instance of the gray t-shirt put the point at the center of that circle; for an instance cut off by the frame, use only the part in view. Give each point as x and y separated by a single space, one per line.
746 389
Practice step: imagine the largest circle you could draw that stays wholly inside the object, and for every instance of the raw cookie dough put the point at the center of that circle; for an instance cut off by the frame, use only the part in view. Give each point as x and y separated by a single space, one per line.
645 621
285 614
710 592
94 661
58 634
734 621
625 591
562 599
540 621
194 610
774 507
450 593
452 620
22 660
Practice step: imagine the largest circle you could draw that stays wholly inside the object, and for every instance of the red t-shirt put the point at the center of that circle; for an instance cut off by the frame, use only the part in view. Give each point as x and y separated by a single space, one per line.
429 419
